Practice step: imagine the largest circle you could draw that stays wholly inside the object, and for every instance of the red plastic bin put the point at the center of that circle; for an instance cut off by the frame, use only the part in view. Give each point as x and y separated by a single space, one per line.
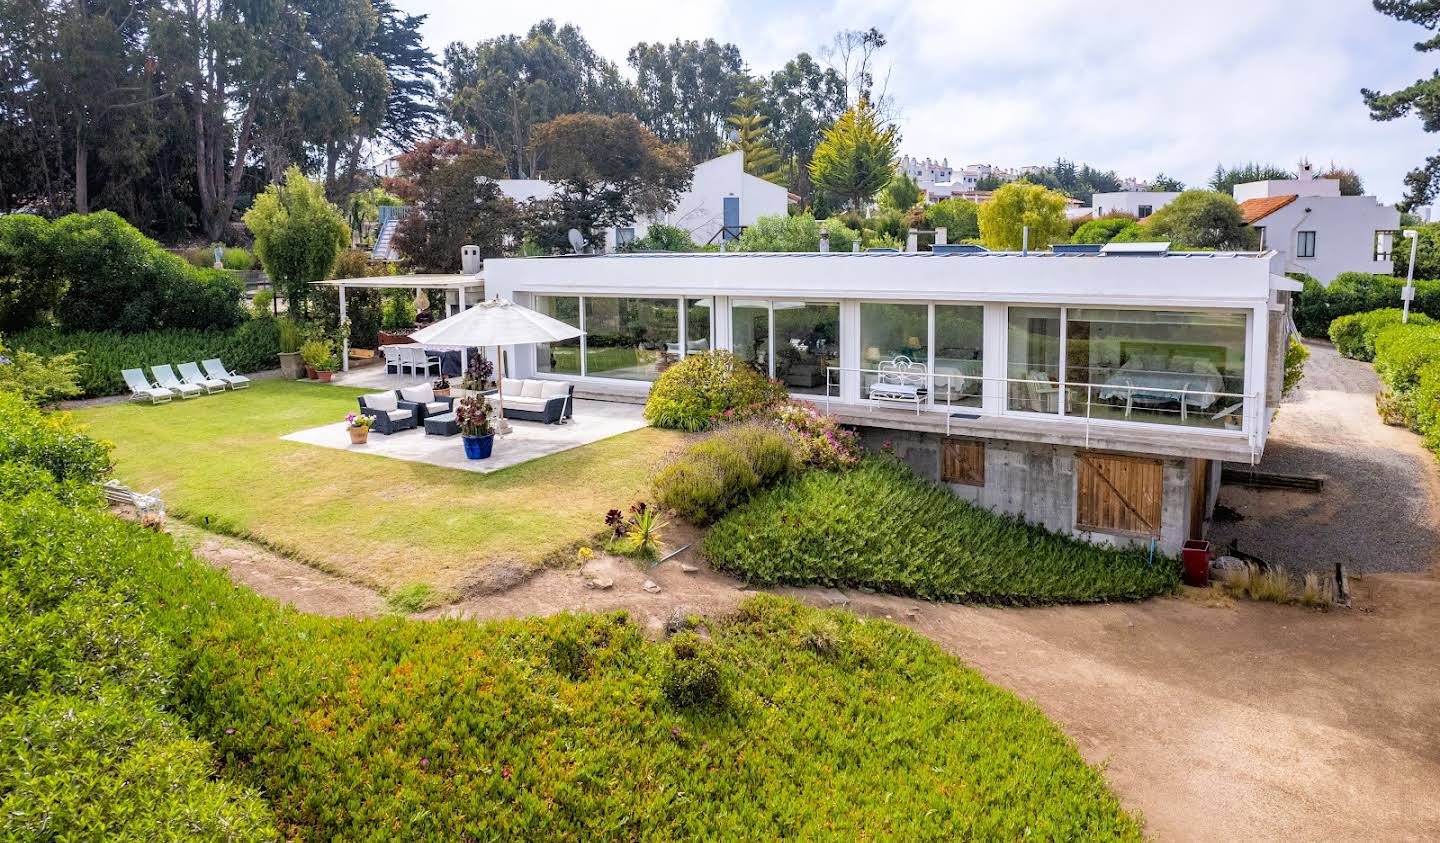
1196 556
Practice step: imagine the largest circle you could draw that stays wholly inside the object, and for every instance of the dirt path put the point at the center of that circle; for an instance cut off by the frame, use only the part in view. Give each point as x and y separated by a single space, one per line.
1380 509
1214 722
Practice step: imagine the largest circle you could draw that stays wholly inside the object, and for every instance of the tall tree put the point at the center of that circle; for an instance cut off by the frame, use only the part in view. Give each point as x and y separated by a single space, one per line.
1165 184
1202 219
901 193
298 235
751 136
1018 206
851 56
1350 182
1225 178
607 171
856 158
1421 97
500 89
456 202
684 91
801 99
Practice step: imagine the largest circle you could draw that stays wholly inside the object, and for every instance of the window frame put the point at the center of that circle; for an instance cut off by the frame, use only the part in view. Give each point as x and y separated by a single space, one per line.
1300 240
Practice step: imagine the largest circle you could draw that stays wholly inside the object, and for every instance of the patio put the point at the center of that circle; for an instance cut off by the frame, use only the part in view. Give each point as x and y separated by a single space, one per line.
593 421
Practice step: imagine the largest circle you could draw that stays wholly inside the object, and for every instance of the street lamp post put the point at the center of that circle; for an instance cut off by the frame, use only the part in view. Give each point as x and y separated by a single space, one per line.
1409 292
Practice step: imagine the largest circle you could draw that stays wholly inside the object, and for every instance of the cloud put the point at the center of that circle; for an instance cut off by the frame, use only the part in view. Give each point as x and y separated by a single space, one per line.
1173 87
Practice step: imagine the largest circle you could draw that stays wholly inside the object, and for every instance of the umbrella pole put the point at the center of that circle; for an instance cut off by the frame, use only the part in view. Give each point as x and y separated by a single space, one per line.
501 426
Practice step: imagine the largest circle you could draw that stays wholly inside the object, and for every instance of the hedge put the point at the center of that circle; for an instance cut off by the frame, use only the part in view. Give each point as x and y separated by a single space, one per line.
1404 355
788 722
881 526
251 347
1317 306
1354 335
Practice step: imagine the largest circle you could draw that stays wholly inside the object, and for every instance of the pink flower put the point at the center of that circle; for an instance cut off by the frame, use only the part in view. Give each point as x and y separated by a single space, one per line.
229 731
505 773
424 762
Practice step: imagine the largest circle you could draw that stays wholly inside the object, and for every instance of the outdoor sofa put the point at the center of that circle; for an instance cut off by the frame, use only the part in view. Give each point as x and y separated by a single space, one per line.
424 402
389 417
550 402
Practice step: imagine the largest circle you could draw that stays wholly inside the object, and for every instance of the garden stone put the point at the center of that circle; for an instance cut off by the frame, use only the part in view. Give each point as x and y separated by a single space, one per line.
833 597
603 584
677 622
650 586
1222 564
688 568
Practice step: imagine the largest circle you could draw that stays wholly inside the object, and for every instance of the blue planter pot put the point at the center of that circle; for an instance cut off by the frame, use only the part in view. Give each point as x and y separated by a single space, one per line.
478 447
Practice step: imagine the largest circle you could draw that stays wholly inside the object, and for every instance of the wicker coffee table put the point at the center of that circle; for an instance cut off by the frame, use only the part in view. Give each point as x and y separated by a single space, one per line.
441 425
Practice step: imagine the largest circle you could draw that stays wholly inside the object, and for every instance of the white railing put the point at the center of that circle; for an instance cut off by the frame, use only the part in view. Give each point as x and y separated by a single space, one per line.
1123 403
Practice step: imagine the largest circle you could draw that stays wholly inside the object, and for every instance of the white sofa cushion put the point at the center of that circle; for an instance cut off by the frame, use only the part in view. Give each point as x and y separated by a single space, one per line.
436 407
533 389
382 401
533 405
512 387
422 394
398 415
553 389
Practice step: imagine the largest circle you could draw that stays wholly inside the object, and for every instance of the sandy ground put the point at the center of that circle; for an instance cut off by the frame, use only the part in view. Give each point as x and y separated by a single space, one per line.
1213 719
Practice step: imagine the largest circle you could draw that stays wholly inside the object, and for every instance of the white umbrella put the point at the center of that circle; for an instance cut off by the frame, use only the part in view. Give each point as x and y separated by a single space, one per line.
496 322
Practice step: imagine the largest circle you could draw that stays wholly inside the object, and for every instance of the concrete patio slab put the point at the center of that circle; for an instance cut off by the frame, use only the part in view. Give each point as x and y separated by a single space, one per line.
593 421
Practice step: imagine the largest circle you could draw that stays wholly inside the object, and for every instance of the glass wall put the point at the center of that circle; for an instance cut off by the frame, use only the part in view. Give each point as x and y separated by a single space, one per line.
888 331
1157 366
807 341
959 353
697 324
631 338
1034 359
750 333
560 358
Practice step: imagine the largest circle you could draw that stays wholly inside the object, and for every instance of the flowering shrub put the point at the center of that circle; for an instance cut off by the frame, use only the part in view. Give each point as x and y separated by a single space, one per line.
692 394
821 441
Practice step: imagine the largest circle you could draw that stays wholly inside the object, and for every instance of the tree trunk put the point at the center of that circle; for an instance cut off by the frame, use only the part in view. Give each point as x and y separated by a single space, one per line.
82 176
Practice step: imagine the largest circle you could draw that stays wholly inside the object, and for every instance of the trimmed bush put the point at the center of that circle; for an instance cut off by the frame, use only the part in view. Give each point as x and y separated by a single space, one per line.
692 394
709 477
692 677
1354 334
251 347
1295 356
51 443
1357 292
1401 353
883 527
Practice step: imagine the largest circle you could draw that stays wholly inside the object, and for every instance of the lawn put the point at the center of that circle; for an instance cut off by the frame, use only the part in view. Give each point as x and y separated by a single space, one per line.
219 460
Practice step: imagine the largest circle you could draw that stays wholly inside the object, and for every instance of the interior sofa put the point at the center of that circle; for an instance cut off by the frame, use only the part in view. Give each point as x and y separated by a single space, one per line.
389 417
550 402
425 403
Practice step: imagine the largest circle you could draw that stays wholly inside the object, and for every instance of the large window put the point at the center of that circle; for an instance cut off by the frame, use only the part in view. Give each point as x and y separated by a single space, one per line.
1034 359
697 325
807 343
959 352
750 333
632 339
1184 367
561 358
889 331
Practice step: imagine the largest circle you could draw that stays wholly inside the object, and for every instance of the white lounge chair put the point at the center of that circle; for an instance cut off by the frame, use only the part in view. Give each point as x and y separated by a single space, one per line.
216 370
142 389
165 376
190 373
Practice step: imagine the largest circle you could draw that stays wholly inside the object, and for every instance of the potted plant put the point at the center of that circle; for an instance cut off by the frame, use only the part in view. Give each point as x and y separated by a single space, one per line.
477 374
291 365
441 386
359 427
472 416
317 355
327 369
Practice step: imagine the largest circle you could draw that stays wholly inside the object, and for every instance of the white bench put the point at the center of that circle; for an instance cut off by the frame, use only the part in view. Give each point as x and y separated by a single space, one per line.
900 381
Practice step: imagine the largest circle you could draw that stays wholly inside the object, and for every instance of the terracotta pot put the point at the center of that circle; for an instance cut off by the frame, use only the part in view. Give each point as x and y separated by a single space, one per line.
444 392
309 371
359 435
324 375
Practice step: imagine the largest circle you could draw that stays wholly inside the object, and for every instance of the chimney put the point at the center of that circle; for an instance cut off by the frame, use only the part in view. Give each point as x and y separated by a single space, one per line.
1307 171
825 240
470 259
912 241
941 237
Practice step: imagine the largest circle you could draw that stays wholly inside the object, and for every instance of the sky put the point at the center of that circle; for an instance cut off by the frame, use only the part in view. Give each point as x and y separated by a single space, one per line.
1177 87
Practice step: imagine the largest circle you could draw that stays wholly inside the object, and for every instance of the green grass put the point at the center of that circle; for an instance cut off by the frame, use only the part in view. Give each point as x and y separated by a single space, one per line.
219 461
883 527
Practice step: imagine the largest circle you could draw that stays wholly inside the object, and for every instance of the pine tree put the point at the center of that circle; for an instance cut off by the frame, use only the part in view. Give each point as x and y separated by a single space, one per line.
856 158
752 137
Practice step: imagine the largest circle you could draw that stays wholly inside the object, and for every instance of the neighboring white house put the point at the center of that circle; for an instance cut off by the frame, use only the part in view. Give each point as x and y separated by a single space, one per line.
1137 203
722 200
1095 394
1317 231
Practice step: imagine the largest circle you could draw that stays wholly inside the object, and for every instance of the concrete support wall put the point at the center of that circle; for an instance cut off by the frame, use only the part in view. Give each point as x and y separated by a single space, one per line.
1037 483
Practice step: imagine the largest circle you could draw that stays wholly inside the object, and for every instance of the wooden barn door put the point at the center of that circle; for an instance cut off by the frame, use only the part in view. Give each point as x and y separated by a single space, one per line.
1118 494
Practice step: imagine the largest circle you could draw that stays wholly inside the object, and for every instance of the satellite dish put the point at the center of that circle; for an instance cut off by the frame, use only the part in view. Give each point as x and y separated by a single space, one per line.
577 243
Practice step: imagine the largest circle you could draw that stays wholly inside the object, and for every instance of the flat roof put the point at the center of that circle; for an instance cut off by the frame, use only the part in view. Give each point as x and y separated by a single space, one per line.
837 255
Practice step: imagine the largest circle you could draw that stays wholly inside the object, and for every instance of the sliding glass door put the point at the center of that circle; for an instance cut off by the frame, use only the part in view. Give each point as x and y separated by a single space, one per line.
795 342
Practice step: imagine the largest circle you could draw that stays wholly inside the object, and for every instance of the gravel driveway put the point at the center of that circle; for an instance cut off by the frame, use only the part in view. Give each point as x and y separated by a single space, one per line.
1378 511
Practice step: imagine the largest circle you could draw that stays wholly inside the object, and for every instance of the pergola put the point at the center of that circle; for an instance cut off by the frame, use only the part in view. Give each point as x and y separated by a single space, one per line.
468 288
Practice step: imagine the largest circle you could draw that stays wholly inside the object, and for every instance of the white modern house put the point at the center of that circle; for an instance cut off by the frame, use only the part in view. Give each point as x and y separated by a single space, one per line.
1092 393
722 200
1317 231
1137 203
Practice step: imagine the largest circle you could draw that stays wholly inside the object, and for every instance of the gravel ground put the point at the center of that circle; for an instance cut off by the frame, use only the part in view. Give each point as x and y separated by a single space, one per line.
1378 510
